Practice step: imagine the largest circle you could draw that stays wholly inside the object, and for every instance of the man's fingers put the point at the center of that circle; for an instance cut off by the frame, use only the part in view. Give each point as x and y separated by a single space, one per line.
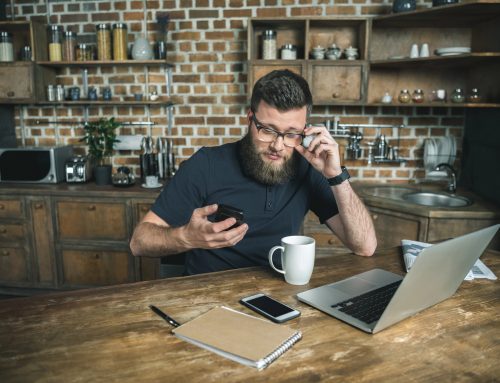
205 211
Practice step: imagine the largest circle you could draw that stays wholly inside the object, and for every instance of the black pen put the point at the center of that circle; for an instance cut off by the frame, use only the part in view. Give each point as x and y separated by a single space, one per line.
170 320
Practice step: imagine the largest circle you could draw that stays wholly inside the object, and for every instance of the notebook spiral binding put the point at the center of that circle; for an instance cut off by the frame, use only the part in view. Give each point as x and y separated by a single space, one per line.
282 349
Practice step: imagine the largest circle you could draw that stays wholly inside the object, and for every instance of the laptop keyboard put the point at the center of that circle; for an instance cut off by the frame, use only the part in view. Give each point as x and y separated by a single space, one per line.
369 307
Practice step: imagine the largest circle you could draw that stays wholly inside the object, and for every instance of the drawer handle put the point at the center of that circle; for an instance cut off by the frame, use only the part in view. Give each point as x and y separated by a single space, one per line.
91 208
3 230
97 256
375 217
11 94
331 241
38 205
335 95
5 253
2 206
144 209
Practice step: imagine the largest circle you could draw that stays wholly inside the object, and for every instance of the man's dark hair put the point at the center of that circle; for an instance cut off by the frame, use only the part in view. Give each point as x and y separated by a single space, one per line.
283 90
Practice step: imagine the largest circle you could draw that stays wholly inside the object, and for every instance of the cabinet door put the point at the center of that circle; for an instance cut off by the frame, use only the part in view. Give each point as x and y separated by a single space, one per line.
336 83
13 265
92 220
150 267
391 227
322 234
95 267
441 229
43 248
256 71
11 208
16 82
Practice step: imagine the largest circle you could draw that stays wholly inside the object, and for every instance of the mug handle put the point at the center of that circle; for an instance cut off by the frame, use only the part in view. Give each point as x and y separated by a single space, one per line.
271 252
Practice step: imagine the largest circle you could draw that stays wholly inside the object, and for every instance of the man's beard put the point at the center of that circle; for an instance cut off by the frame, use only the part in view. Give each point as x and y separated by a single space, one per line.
262 171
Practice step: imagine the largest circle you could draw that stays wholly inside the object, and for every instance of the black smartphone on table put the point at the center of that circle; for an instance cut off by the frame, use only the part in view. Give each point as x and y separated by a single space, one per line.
225 211
270 308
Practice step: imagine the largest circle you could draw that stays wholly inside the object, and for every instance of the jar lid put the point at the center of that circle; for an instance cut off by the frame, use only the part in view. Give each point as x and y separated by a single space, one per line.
70 34
289 46
120 26
56 28
5 34
269 33
102 26
83 46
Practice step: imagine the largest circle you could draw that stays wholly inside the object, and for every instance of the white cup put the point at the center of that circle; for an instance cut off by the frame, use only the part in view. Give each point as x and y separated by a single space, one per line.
151 181
297 258
414 51
424 50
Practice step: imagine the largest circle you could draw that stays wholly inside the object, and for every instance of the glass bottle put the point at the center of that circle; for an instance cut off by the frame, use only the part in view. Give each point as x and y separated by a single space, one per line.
457 96
269 45
84 52
418 96
288 52
103 42
55 42
6 47
119 41
474 95
404 96
69 46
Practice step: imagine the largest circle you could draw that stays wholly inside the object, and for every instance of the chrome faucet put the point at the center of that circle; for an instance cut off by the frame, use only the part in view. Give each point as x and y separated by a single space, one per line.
452 186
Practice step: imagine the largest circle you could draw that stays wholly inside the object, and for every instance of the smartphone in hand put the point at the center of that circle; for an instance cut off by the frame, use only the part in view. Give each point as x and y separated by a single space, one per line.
270 308
226 211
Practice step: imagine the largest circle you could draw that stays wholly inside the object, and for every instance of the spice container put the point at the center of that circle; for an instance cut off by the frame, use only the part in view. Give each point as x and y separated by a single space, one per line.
404 96
51 93
84 52
55 42
418 96
119 41
60 93
474 96
103 42
6 48
269 45
289 52
69 46
457 96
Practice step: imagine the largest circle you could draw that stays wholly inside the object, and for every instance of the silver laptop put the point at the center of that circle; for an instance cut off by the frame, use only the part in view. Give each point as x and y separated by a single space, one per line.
435 276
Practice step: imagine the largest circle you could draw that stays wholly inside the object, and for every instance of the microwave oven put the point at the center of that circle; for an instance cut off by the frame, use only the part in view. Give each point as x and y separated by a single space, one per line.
34 164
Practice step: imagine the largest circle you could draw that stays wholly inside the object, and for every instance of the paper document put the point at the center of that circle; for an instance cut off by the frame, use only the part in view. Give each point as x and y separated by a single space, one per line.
411 249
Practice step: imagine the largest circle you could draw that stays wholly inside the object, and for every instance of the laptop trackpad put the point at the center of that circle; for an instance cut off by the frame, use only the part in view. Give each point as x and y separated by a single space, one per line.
354 286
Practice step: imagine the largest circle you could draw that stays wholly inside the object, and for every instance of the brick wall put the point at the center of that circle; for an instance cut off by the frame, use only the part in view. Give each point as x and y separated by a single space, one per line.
207 45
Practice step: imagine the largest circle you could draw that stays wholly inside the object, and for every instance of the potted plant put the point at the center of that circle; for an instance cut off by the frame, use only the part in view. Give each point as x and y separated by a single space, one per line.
100 137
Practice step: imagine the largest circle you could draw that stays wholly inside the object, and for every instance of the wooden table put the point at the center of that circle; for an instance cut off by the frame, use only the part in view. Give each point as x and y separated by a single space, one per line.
110 335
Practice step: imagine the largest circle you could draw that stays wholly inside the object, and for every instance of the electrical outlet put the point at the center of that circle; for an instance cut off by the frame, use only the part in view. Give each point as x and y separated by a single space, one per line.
128 142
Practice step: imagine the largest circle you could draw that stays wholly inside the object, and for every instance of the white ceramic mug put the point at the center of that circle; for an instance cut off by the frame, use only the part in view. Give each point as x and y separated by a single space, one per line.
151 181
297 258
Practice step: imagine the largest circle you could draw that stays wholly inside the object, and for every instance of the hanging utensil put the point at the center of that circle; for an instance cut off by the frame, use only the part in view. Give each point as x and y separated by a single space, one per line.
159 154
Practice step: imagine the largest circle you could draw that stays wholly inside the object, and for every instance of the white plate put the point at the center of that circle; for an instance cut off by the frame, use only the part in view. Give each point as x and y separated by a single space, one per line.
159 185
452 50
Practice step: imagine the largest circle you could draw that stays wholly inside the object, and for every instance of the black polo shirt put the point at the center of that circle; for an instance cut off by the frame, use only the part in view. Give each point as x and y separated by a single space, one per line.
214 175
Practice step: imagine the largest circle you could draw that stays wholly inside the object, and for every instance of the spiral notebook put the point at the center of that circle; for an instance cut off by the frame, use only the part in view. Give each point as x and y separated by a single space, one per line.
240 337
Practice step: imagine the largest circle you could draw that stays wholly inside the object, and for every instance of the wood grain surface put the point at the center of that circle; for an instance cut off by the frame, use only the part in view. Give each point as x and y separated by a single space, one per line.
109 334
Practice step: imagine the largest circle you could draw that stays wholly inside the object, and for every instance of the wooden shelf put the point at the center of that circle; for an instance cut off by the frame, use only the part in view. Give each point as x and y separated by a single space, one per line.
437 105
96 63
463 60
109 103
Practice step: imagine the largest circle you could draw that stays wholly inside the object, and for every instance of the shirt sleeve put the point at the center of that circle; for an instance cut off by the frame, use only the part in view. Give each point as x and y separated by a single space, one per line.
185 192
322 201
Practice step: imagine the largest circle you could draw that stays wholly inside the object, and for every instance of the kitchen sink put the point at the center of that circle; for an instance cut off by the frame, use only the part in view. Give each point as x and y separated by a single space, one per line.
391 192
437 200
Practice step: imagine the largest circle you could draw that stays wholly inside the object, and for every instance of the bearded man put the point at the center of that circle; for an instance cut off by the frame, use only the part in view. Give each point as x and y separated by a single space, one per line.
270 176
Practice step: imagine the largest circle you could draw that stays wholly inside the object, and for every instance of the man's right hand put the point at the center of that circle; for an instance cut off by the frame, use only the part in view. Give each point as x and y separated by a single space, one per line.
200 233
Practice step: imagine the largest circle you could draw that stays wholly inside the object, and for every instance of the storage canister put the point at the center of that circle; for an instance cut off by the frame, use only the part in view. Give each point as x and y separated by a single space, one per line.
119 41
103 42
269 45
289 52
69 46
84 52
6 48
55 42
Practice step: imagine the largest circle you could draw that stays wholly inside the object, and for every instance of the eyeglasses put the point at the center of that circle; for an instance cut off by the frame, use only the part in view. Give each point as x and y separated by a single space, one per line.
266 134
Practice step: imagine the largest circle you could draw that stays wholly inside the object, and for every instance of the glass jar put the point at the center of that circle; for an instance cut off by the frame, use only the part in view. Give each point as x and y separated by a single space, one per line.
457 96
289 52
474 96
119 41
84 52
6 47
55 42
418 96
404 96
69 46
269 45
103 42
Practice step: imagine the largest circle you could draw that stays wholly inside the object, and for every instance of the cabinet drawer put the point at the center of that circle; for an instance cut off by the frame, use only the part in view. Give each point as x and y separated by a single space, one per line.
11 232
95 267
13 265
11 208
336 83
92 220
16 82
142 210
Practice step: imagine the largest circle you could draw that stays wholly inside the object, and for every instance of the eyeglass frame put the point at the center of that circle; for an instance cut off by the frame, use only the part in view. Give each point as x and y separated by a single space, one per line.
259 126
